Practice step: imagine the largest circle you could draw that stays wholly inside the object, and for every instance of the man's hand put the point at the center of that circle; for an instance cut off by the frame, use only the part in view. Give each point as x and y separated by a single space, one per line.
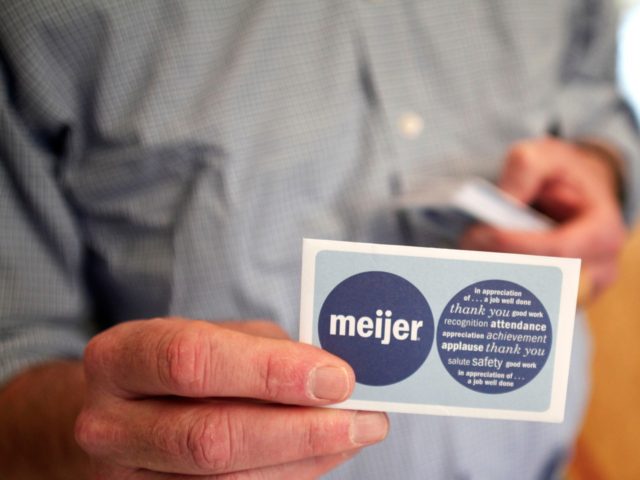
574 187
171 398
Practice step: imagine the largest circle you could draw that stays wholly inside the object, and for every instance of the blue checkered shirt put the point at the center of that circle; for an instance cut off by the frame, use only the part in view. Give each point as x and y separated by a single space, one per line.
166 158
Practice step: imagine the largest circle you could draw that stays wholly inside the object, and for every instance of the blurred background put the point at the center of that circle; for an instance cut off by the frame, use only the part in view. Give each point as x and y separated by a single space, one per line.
629 40
609 445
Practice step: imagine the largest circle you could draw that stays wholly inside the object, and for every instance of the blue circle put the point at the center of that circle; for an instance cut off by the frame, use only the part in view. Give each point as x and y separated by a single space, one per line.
494 336
380 323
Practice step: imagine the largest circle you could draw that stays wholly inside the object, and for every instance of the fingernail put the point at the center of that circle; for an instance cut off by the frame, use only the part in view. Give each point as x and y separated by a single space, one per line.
329 383
368 427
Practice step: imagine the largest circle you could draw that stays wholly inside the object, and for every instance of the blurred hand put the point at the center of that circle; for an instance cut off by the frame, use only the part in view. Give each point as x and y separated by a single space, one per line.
171 398
575 187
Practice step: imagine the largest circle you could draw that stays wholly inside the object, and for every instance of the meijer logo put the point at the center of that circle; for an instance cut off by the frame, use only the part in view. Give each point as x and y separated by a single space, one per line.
382 328
380 323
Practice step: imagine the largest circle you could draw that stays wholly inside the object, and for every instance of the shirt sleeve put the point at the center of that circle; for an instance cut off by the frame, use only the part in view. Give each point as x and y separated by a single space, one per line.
44 311
591 106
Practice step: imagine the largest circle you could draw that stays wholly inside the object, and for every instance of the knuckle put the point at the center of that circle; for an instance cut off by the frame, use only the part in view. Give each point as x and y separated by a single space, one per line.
83 431
279 376
313 440
96 355
270 381
183 360
208 442
91 433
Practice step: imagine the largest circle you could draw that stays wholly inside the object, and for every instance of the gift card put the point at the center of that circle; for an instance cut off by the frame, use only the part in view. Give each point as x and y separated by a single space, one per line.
444 332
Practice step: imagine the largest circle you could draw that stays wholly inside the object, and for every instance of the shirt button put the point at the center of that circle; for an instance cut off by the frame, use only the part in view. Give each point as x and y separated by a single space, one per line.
410 125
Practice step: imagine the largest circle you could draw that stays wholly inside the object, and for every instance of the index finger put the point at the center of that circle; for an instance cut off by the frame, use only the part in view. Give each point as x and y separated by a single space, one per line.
199 359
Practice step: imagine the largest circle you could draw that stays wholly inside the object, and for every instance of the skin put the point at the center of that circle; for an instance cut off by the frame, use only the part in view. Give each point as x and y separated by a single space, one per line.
37 415
179 399
577 188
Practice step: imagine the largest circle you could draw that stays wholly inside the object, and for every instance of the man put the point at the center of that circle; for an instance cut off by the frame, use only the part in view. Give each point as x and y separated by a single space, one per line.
164 160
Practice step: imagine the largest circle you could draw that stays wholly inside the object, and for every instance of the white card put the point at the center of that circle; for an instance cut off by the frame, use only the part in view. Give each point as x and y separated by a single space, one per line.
444 332
448 204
